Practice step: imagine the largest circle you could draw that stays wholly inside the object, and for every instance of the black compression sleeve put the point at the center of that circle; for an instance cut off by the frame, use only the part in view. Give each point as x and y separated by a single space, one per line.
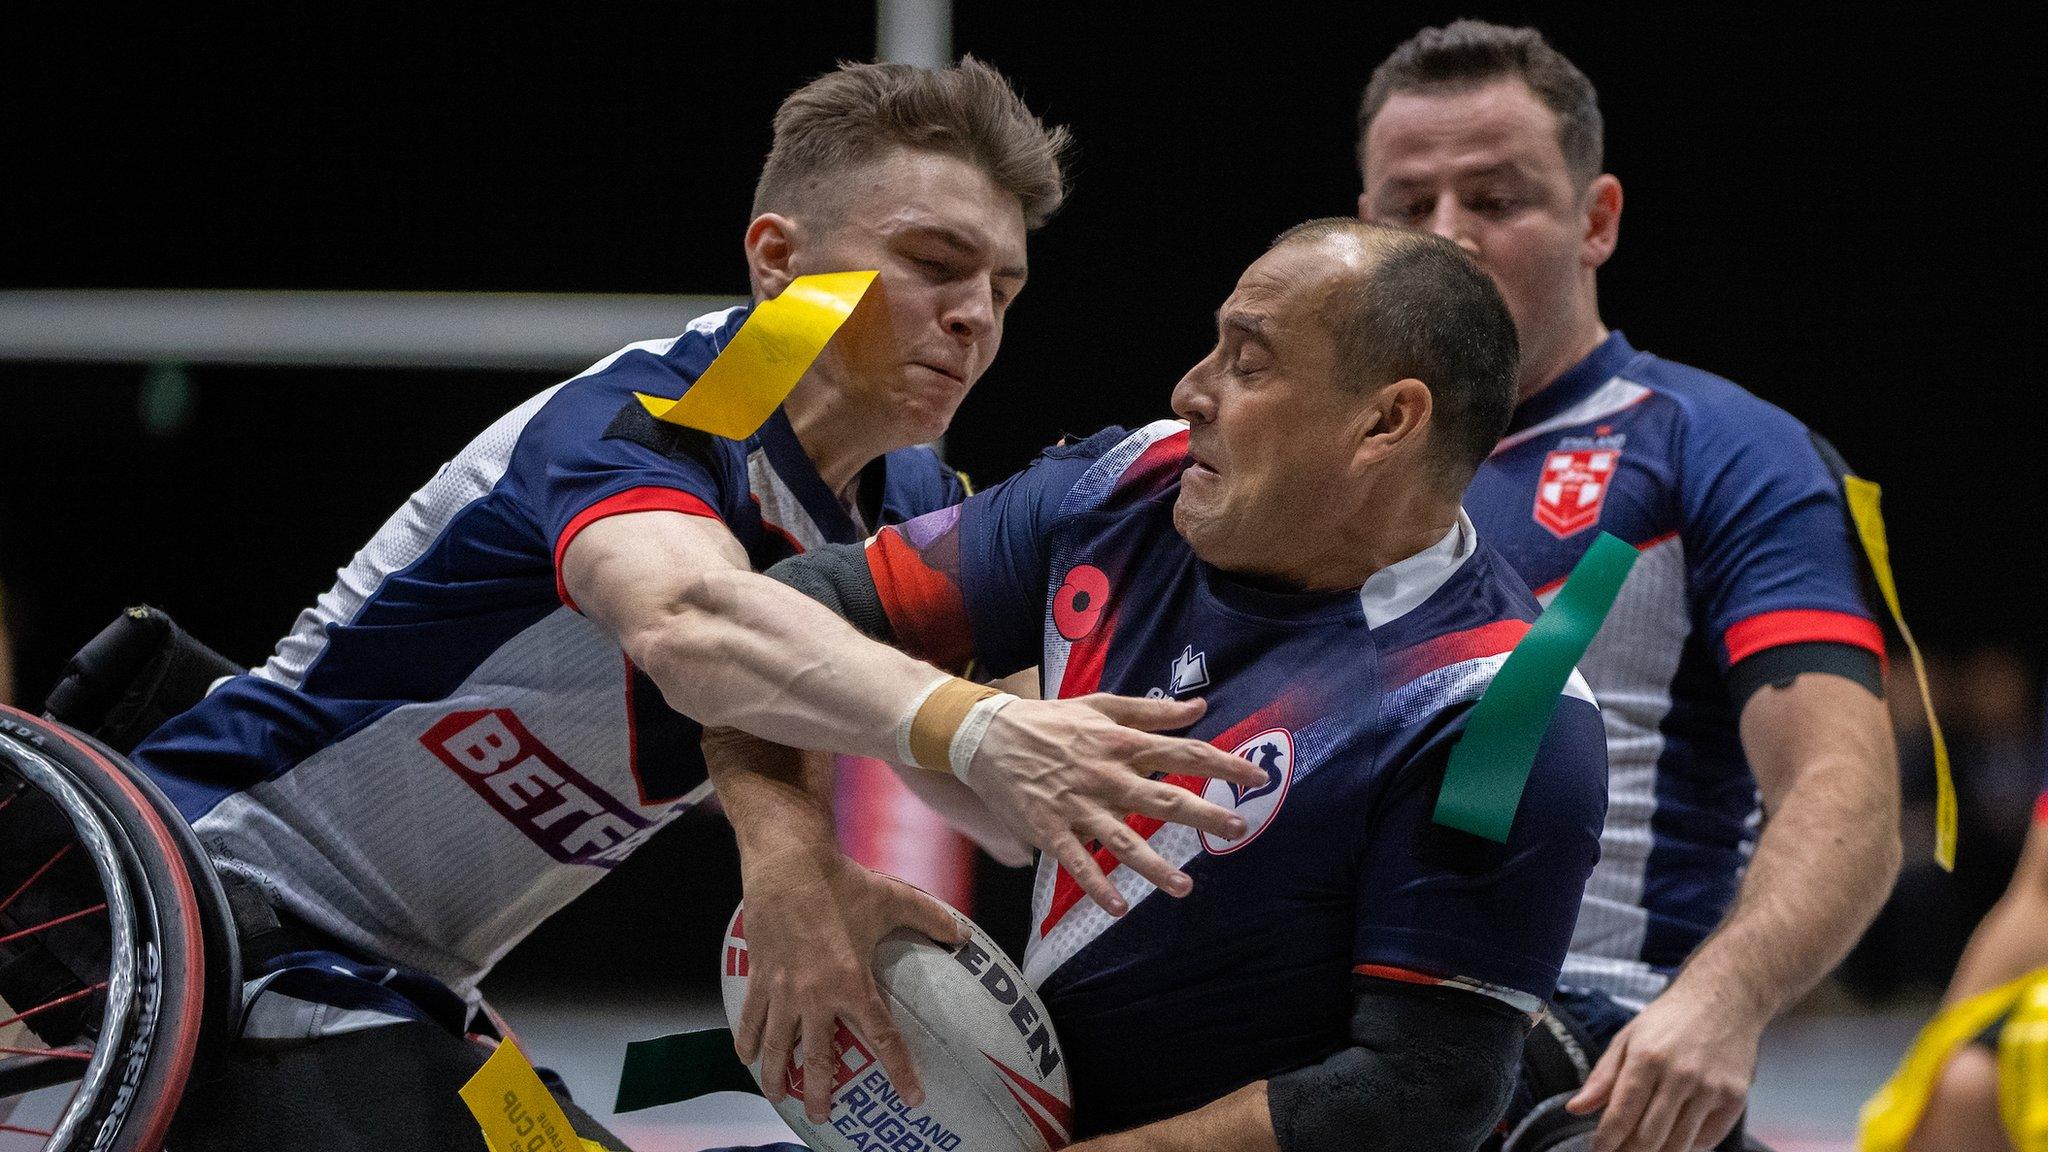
1429 1070
837 576
1775 668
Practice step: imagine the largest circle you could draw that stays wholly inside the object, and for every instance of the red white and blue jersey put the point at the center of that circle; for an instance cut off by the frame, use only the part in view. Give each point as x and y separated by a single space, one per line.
443 751
1350 700
1746 545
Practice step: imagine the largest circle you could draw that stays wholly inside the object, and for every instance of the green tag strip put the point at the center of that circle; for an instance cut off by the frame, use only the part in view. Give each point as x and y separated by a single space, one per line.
1490 765
681 1066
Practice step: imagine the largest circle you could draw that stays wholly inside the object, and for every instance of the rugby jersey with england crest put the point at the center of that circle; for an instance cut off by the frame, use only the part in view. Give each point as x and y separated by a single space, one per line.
443 751
1745 545
1350 700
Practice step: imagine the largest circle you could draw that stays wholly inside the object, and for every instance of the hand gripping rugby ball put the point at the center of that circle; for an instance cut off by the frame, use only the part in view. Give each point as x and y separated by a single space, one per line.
995 1079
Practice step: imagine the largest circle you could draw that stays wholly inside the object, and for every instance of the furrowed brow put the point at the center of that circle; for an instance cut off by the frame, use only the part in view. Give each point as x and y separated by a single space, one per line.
1248 325
966 247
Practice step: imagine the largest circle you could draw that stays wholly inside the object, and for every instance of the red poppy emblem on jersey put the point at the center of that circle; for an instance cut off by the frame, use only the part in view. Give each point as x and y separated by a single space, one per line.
1573 487
1079 603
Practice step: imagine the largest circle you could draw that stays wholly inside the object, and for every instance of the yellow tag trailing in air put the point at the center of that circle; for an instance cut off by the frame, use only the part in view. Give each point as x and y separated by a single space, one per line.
515 1109
770 352
1863 498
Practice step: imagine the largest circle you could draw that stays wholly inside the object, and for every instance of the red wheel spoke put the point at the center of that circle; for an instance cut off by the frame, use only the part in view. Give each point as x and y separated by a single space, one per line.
33 877
25 1131
49 924
10 797
41 1008
54 1053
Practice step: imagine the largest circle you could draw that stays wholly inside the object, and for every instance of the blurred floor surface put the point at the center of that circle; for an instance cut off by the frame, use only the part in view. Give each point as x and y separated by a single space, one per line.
1814 1074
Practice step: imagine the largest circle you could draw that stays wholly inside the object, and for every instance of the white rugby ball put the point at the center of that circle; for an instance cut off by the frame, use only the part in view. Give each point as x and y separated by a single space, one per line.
995 1079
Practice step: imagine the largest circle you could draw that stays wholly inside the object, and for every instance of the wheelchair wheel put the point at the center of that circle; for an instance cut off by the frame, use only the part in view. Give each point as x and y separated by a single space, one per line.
103 948
1549 1128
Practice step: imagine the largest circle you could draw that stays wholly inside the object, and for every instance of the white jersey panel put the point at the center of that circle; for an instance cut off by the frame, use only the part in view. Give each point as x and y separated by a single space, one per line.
403 539
1630 665
441 833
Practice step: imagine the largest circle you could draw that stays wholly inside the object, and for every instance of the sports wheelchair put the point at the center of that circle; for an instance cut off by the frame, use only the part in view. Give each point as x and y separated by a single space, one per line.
120 975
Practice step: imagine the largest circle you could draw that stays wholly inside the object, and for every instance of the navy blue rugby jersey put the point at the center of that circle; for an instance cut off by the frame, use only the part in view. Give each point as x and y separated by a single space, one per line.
1350 700
443 751
1745 544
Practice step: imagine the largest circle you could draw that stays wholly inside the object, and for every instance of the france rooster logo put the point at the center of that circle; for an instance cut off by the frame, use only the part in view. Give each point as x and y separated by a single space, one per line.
1258 804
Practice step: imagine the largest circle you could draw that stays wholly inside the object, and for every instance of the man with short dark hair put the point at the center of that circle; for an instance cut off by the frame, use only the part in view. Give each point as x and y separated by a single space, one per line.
1350 974
1741 657
500 698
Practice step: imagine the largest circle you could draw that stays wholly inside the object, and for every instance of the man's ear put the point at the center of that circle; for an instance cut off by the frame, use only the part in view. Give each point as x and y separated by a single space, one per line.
1398 414
1603 220
771 245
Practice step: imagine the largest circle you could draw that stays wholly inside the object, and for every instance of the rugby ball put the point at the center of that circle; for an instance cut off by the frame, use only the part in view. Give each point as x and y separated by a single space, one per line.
995 1078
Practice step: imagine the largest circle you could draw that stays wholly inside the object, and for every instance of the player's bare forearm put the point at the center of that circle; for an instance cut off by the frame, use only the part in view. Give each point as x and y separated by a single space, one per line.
775 796
1676 1076
1822 751
731 648
1240 1121
2012 940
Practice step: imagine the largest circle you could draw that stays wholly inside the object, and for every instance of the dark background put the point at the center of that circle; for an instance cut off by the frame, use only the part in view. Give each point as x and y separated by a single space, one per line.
1836 215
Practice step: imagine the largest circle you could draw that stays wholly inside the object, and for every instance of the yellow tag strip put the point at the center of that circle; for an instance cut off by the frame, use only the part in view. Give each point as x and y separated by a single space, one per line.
2023 1069
771 351
1888 1118
1863 500
515 1109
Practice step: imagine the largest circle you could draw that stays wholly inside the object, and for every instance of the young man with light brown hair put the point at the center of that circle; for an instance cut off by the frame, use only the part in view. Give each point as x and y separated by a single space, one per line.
501 696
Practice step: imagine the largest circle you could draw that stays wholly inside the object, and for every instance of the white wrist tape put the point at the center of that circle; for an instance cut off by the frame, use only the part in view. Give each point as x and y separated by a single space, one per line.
903 753
965 741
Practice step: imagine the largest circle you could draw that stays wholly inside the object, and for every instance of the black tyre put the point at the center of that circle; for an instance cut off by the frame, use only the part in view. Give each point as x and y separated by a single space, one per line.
103 947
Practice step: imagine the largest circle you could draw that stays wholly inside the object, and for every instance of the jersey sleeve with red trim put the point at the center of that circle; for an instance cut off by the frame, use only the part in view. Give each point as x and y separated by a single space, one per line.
594 452
1769 544
969 582
1436 905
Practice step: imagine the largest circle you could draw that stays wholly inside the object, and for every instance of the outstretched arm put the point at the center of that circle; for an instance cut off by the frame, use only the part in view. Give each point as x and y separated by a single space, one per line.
731 648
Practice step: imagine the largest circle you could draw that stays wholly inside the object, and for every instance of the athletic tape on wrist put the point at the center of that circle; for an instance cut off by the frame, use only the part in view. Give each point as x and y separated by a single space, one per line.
960 752
939 719
904 754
